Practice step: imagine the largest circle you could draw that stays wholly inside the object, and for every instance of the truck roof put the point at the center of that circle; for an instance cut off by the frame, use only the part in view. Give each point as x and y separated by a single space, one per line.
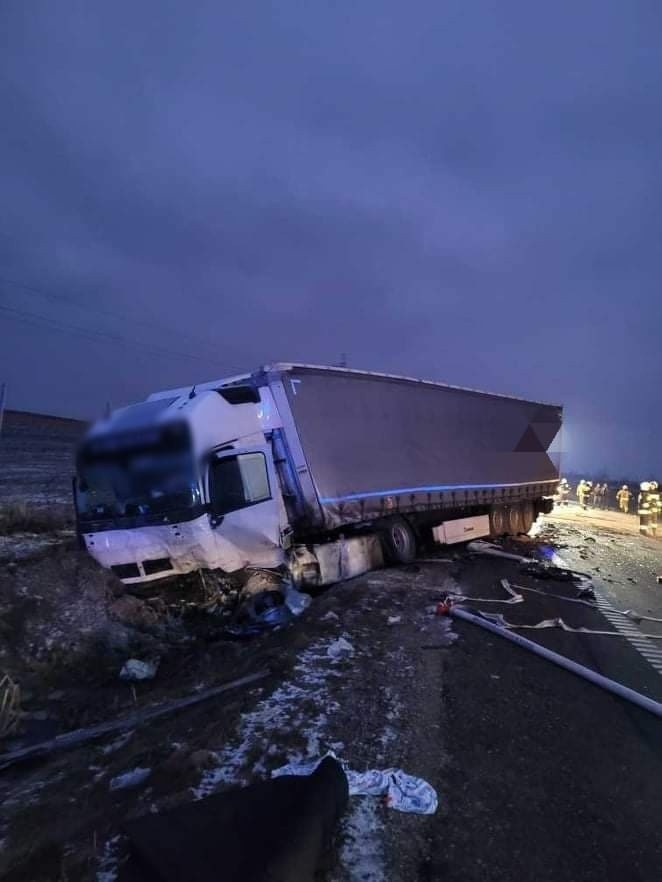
284 367
288 366
199 387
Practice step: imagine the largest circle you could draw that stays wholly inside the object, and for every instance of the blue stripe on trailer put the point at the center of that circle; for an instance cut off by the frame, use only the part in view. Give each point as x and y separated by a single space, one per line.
431 489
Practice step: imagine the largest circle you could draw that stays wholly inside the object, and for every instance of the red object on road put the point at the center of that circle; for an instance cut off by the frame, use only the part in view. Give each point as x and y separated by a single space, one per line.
443 608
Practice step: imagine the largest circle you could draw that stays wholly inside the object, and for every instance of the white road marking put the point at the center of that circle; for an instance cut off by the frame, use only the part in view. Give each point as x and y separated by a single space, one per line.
650 650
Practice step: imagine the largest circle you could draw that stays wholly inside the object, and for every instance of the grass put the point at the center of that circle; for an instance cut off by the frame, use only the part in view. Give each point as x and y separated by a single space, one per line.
24 517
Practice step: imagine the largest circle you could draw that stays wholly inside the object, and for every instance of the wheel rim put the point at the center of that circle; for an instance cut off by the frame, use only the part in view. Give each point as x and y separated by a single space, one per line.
399 537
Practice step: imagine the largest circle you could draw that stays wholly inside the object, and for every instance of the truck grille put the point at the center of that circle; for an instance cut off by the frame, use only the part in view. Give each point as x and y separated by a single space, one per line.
126 571
160 565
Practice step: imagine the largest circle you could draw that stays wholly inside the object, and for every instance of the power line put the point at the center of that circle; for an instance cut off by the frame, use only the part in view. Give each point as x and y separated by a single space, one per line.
95 335
63 298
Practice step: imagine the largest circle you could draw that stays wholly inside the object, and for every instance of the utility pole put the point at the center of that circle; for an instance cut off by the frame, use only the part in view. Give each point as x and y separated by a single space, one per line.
3 396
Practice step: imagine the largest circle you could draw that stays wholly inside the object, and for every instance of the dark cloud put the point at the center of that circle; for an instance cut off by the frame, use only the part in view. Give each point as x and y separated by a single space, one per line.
470 192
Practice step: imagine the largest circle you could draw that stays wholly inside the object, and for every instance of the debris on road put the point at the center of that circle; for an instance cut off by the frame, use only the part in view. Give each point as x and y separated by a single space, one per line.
135 670
330 617
498 619
264 611
488 548
10 701
579 599
393 620
613 686
139 718
339 648
127 780
403 792
513 597
544 570
296 601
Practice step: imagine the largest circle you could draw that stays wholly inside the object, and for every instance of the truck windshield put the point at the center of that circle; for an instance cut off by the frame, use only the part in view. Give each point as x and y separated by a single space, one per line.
117 481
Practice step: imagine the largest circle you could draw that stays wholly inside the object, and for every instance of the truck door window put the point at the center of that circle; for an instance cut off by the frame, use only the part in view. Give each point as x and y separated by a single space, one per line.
238 481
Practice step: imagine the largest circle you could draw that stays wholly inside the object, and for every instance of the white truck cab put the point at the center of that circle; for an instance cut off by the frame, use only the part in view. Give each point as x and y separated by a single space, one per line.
183 482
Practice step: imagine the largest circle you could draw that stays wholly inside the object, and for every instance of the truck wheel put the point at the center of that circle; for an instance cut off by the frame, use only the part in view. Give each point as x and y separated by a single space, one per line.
399 541
498 522
514 518
528 516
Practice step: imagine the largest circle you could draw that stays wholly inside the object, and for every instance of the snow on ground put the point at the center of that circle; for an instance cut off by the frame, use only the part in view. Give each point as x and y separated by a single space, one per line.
298 714
362 849
299 706
108 868
21 546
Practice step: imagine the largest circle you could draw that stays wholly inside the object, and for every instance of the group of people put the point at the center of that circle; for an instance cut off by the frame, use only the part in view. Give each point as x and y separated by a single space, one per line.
587 492
649 500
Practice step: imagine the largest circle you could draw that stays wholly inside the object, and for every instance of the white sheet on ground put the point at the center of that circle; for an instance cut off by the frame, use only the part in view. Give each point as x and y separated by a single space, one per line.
403 792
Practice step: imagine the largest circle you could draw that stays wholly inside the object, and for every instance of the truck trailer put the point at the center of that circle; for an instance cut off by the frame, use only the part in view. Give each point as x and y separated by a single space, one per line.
325 471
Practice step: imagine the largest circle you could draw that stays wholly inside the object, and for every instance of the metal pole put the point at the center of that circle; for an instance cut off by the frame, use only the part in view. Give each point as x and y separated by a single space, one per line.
612 686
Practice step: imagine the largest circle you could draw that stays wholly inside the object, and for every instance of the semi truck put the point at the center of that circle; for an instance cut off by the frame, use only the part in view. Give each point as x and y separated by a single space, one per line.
325 471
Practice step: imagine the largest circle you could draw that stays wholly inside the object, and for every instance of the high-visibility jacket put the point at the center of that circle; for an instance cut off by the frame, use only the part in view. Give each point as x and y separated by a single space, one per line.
623 497
649 504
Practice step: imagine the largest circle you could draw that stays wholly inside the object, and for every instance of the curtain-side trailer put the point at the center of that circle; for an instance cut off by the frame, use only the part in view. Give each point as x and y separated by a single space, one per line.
323 470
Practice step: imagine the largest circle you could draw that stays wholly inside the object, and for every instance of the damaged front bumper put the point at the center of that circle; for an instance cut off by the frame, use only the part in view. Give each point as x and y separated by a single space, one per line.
146 554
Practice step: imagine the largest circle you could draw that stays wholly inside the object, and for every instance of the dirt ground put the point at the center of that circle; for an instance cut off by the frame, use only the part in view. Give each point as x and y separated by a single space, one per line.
539 774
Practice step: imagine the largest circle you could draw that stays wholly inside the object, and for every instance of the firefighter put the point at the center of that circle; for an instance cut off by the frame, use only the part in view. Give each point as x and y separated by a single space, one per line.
583 489
562 492
654 507
623 499
604 496
647 508
595 495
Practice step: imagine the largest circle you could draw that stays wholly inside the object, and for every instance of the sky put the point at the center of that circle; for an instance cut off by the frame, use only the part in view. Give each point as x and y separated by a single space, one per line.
463 190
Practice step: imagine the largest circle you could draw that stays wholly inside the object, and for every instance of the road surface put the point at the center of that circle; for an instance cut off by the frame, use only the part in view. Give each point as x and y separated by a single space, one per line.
540 775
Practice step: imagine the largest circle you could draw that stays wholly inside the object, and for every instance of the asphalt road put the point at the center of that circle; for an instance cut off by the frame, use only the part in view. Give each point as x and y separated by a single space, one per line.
551 777
540 774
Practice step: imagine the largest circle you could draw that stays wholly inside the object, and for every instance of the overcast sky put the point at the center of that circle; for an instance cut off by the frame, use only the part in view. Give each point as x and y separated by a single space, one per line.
465 190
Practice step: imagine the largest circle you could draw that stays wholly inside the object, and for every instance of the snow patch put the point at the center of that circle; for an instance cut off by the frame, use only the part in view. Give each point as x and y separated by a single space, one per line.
299 705
132 778
339 648
109 862
362 849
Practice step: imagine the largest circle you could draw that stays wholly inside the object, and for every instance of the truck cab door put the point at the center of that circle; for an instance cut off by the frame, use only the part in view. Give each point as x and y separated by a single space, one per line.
246 508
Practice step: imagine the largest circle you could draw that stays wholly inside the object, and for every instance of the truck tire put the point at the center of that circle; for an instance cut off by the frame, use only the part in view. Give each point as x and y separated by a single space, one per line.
528 516
514 520
399 541
498 522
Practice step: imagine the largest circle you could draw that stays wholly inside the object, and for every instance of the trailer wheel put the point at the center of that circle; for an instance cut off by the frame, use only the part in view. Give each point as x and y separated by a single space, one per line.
498 522
528 516
399 541
514 520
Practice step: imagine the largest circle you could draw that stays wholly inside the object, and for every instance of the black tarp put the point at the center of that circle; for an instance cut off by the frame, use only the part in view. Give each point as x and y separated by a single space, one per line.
272 831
